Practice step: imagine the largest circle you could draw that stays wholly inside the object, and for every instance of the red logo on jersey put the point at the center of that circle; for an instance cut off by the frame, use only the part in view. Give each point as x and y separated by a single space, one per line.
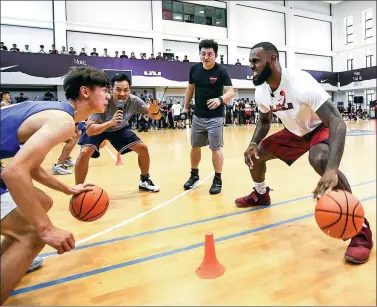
212 80
281 106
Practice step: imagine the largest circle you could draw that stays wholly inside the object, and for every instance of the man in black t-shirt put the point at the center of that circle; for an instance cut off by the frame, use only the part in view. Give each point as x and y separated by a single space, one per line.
213 88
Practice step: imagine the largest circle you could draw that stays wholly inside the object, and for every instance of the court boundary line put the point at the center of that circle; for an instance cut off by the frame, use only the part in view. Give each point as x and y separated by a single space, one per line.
209 219
161 255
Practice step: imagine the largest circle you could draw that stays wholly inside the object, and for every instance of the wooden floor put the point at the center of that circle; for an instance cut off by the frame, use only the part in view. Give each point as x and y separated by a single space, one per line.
273 256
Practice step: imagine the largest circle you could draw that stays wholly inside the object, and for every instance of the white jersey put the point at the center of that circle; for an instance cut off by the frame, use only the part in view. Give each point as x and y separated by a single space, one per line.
295 101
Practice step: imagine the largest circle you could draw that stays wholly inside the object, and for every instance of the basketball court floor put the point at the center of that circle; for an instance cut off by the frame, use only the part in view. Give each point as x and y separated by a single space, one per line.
146 248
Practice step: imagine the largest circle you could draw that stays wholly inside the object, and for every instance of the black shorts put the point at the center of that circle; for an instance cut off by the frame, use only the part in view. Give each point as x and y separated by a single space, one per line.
121 139
177 118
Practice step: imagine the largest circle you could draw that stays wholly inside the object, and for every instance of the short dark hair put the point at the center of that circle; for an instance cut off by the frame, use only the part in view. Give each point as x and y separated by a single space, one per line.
268 47
4 93
209 43
83 76
120 78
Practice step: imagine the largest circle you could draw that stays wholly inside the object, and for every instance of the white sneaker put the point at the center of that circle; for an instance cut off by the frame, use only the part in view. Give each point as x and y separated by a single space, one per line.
68 162
60 169
148 185
37 262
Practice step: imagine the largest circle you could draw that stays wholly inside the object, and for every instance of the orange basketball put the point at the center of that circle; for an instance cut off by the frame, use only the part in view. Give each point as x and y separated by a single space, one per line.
89 206
339 214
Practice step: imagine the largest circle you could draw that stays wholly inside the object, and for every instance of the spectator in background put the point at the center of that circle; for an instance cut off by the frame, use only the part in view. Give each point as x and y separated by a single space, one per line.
123 55
105 54
185 59
3 47
14 48
116 54
6 100
53 50
159 56
21 97
41 49
94 52
83 53
63 50
72 51
151 57
177 59
176 109
49 96
142 56
238 62
26 49
133 55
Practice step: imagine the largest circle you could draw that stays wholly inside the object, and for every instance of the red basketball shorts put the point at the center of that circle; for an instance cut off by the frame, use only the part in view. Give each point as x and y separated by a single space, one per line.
288 147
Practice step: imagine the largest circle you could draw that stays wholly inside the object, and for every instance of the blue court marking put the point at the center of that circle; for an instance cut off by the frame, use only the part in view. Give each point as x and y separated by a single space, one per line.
189 223
356 132
160 255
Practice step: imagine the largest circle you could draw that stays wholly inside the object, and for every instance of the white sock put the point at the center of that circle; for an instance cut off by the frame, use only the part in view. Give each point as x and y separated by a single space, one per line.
260 187
364 225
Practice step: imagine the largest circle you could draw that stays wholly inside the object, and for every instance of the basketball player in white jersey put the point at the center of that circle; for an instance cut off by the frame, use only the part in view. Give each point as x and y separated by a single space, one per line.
312 123
39 126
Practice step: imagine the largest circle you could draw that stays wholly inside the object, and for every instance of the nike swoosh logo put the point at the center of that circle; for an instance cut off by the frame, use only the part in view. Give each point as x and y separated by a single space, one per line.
322 81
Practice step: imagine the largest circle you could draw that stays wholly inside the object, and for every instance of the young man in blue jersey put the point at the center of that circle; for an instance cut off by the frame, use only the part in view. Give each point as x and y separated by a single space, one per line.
28 132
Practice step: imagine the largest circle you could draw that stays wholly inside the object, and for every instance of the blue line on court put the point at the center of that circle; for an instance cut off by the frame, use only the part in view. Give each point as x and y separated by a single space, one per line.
188 224
160 255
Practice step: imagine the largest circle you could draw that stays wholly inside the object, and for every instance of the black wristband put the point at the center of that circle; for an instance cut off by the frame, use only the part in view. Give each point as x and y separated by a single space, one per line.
221 100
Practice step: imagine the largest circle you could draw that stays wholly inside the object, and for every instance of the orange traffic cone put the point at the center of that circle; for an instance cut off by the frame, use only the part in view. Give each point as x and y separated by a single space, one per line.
210 267
119 160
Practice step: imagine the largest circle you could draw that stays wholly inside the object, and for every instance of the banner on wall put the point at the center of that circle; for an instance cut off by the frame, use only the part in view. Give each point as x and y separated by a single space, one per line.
357 76
34 68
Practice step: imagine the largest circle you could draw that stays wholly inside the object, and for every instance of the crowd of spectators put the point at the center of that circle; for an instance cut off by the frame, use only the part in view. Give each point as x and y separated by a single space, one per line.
94 52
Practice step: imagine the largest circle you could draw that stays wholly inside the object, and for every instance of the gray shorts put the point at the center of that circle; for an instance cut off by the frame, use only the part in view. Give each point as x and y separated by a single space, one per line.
207 131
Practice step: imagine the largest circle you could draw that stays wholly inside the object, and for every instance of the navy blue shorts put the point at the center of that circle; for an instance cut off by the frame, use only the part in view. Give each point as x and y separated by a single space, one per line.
121 139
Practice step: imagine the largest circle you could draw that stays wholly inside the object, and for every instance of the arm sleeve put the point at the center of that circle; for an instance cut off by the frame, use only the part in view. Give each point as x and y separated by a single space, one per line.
191 78
139 105
96 118
311 92
226 79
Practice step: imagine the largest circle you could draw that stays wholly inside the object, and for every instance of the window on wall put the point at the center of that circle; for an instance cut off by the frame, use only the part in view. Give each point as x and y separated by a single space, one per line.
193 13
350 97
349 64
349 30
369 58
368 24
370 96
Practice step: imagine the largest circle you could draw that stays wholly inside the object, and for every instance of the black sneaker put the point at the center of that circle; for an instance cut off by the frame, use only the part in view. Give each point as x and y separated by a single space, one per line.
216 186
190 183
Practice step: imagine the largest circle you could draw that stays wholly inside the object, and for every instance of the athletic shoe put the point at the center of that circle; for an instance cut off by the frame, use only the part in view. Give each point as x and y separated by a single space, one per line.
68 162
216 186
60 169
254 199
358 250
37 262
191 182
148 185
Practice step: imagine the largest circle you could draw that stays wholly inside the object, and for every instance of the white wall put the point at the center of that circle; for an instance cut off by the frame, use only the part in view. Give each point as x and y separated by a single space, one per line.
89 41
312 62
27 13
191 50
193 30
244 53
26 36
255 25
130 15
246 94
311 34
320 7
359 47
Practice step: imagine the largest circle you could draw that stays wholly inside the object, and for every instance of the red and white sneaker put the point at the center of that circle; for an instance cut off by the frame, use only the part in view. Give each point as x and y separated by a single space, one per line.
254 199
358 250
